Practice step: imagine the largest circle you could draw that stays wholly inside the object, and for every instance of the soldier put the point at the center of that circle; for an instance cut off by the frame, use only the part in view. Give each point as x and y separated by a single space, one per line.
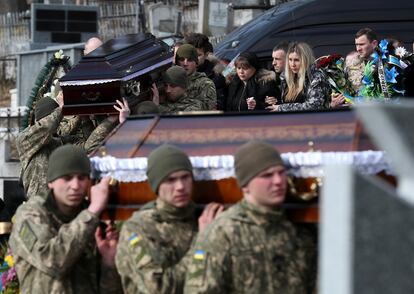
199 85
175 79
154 241
252 247
52 240
210 65
36 142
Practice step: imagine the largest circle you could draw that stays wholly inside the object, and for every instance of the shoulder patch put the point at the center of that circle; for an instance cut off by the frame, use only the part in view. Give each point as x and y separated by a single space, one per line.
27 235
199 255
196 271
134 239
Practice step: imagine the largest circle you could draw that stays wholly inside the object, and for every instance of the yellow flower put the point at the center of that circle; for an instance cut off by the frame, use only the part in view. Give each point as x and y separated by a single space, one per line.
9 260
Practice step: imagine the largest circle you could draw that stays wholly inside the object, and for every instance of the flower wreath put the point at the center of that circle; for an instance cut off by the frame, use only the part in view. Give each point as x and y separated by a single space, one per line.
44 82
383 74
333 68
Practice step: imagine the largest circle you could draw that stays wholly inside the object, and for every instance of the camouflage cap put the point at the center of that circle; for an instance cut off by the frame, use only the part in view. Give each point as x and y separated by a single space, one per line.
147 107
176 76
252 158
163 161
67 160
186 51
44 107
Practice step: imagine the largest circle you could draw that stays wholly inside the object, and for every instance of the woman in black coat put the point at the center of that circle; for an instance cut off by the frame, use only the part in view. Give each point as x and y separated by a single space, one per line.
251 85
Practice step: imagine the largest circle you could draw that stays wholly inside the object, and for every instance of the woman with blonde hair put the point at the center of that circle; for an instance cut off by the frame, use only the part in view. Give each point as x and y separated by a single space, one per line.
303 86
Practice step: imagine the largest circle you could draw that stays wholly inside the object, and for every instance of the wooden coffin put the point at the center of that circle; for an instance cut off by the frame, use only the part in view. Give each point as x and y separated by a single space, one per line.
213 139
122 67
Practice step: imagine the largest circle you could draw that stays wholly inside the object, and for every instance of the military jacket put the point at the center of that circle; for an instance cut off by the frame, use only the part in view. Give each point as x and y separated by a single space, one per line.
78 127
152 246
185 103
34 145
202 88
315 96
37 142
54 253
248 250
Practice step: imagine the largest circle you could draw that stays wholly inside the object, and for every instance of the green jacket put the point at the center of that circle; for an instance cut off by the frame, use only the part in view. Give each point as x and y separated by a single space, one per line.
248 250
202 88
36 143
185 103
54 253
152 246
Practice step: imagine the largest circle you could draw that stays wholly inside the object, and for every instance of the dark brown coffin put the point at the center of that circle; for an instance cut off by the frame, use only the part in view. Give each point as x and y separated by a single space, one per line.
122 67
208 135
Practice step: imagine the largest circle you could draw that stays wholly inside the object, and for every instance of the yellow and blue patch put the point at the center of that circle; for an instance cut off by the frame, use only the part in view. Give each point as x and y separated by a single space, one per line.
134 239
199 255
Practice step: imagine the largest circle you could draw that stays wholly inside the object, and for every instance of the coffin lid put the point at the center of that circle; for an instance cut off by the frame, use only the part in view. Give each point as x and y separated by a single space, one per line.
119 59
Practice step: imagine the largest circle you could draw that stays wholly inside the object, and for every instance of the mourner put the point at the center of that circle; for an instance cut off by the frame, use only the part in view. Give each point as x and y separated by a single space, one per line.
251 85
252 247
154 241
304 87
177 99
278 63
279 57
36 142
366 41
210 65
56 238
199 85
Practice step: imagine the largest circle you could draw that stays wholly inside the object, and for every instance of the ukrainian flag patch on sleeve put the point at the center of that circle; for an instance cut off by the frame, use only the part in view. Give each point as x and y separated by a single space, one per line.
199 255
134 239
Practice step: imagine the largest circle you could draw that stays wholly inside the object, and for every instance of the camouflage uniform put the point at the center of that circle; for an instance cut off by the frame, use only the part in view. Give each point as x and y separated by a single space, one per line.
203 89
34 146
247 250
57 254
78 127
152 246
36 142
185 103
315 96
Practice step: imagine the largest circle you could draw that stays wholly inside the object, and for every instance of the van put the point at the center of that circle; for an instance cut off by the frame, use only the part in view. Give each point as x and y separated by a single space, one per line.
328 26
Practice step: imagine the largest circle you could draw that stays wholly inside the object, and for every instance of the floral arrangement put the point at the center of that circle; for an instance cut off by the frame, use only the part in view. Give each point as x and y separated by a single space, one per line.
9 283
43 83
333 68
392 67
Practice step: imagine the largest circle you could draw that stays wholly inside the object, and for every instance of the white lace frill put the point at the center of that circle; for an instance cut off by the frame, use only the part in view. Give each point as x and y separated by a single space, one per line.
300 164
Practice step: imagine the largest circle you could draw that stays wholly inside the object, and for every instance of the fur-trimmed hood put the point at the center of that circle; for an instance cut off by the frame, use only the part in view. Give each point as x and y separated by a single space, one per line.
264 76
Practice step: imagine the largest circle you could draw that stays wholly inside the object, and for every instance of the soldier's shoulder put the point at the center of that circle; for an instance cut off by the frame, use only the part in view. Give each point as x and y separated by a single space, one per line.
230 217
34 206
142 217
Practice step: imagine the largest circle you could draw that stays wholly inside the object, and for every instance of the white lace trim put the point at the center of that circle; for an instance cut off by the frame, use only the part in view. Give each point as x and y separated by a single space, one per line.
87 82
300 164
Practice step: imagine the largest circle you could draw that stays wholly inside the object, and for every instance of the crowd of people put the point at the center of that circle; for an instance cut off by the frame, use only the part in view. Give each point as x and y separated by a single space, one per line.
60 245
298 81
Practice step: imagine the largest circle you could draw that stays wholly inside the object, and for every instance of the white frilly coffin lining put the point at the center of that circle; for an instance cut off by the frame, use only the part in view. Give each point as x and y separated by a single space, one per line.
300 164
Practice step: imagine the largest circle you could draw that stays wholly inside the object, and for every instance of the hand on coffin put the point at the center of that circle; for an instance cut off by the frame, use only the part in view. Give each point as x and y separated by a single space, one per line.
123 109
251 103
155 94
59 99
99 196
273 108
210 212
107 244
